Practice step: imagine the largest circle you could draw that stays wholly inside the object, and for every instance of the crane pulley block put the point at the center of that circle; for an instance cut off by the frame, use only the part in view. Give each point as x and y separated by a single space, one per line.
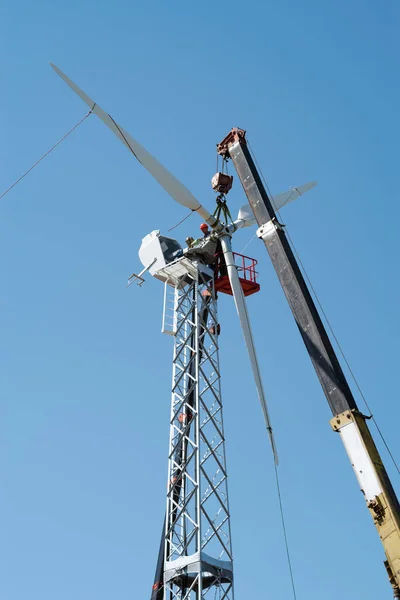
235 135
222 182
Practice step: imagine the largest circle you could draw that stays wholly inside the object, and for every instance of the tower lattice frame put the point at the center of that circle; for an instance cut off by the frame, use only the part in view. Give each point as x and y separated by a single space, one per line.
198 551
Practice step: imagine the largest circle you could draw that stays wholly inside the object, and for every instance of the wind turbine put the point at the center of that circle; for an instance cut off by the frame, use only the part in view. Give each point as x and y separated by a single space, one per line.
195 551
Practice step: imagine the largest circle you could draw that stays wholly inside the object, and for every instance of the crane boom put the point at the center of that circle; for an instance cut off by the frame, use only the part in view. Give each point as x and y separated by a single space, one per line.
347 420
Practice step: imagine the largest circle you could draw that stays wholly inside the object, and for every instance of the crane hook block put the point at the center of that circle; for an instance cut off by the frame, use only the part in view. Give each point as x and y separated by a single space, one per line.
222 183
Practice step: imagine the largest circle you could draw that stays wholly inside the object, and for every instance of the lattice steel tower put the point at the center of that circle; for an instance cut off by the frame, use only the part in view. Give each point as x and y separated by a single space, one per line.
197 537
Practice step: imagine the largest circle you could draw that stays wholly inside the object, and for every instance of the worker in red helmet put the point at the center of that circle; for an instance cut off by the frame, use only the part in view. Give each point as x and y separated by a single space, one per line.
192 242
204 229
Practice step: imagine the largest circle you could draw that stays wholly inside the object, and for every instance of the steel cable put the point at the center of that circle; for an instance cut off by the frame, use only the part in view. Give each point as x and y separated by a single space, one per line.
44 155
278 487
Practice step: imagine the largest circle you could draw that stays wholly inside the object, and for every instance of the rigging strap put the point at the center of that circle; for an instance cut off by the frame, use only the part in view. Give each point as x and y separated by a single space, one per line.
222 207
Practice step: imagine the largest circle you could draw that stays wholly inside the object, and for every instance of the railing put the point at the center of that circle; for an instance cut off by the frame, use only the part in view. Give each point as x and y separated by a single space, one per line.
246 266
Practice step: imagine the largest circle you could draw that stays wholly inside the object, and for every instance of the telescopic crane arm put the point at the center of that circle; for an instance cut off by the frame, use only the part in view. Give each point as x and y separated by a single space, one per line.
348 421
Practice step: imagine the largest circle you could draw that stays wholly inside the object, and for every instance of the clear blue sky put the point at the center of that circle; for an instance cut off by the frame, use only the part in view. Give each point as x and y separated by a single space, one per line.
85 371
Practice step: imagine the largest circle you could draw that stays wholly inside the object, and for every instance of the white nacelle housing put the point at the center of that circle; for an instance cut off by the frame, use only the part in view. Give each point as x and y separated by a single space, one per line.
159 250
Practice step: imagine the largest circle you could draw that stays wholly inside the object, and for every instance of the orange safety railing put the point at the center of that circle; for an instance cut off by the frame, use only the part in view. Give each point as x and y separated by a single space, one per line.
246 268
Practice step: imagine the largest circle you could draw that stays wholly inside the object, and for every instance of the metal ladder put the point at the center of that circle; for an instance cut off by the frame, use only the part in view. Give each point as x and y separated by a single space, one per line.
169 312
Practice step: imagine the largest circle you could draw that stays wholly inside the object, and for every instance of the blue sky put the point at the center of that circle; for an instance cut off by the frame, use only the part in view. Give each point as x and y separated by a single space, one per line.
85 371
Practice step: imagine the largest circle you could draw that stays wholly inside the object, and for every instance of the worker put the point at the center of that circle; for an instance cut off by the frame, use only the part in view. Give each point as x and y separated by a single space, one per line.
222 269
192 242
221 264
204 229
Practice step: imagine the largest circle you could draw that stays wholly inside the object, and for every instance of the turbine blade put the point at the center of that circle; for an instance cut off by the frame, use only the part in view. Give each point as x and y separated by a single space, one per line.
241 308
285 197
246 217
169 182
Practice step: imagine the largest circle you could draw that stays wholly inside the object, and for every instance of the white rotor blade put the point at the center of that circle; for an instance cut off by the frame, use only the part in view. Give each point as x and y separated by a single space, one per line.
285 197
241 308
246 218
171 185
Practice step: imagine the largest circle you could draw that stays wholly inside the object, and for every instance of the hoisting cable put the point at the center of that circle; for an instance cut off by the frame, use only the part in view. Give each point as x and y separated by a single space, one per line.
45 154
371 416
